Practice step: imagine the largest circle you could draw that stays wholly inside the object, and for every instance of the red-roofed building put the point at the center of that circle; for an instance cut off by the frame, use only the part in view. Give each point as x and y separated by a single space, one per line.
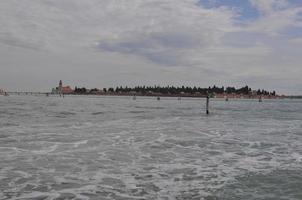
62 89
66 90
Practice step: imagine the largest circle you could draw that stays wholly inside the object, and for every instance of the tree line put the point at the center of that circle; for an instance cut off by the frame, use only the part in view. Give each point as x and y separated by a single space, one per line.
175 90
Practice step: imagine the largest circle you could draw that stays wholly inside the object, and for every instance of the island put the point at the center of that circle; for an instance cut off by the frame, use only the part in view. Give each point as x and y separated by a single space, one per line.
170 91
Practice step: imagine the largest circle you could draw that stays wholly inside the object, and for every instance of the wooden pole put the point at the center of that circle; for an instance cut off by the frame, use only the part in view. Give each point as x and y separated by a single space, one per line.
207 105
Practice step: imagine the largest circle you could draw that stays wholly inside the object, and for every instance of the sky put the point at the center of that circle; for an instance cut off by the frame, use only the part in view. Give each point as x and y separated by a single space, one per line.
108 43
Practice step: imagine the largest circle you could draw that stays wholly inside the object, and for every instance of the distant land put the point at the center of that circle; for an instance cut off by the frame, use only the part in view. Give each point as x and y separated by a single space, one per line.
170 91
294 97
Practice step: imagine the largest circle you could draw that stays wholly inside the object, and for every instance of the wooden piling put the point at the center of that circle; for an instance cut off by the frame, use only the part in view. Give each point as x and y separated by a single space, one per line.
207 105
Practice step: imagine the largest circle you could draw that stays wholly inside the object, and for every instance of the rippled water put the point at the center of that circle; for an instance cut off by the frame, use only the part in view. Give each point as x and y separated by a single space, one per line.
118 148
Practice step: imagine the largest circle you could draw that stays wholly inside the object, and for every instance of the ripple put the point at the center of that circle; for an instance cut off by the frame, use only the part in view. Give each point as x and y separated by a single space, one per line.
75 149
98 113
278 184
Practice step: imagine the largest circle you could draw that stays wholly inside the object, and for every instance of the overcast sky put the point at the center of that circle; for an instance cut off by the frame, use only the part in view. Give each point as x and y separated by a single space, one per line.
102 43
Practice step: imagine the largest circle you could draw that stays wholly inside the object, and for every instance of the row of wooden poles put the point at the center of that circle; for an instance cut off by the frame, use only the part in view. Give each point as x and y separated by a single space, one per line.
179 98
207 102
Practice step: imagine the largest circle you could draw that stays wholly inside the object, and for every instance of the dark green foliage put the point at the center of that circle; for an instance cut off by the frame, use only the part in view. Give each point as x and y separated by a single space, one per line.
172 90
80 90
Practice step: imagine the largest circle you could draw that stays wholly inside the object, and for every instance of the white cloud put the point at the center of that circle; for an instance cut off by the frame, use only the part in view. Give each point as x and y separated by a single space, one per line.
276 16
57 21
267 7
167 41
296 40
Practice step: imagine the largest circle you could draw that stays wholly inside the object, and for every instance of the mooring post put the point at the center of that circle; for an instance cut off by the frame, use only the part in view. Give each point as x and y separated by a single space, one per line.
207 105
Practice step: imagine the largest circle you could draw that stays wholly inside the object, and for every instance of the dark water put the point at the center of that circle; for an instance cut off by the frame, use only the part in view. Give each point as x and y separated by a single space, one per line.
118 148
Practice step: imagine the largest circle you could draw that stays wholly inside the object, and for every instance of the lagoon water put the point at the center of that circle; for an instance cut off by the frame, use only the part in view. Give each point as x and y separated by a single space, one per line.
87 147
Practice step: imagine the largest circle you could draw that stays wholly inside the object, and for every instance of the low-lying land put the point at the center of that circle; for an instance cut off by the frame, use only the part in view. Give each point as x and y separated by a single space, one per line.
171 91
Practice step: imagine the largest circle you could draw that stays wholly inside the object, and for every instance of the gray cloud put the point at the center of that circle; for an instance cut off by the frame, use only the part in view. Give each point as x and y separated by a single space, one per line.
162 48
112 42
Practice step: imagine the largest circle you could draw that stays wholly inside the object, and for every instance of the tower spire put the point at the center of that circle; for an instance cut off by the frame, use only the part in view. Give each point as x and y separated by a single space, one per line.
60 86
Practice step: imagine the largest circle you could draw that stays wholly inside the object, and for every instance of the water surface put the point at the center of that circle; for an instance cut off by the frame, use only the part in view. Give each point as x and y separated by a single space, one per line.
87 147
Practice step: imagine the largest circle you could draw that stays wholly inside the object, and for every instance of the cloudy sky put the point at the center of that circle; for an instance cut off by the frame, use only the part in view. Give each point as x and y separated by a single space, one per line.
102 43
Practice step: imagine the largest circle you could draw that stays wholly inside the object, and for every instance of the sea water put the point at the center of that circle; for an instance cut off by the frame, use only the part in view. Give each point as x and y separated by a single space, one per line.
97 147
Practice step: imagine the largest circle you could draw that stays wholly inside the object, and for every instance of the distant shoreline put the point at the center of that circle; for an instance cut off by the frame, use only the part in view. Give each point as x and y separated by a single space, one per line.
215 96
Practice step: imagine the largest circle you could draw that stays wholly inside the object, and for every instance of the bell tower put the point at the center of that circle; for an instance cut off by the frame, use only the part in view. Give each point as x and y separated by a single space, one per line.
60 86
